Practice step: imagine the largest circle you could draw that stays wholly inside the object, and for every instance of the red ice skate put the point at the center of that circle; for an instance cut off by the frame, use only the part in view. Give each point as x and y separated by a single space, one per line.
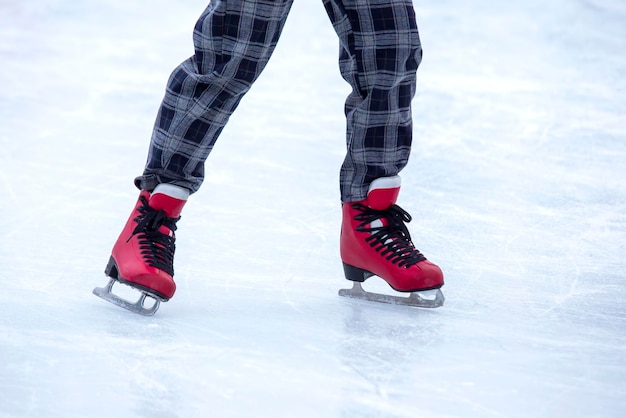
143 256
376 242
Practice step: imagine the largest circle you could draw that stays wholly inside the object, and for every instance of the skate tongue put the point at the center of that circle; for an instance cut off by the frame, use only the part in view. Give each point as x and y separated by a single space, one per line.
169 198
383 192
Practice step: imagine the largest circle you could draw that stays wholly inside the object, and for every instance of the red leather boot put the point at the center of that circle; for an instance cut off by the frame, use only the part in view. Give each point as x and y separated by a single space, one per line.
376 242
143 255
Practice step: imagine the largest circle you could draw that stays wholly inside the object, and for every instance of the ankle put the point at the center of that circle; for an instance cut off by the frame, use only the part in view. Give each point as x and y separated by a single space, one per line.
169 198
172 190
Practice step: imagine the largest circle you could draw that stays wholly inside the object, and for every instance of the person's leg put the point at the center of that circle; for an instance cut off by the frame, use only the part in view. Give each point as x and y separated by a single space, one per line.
380 51
233 42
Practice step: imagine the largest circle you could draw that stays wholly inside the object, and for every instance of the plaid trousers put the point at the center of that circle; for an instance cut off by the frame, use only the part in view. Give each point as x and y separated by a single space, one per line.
379 54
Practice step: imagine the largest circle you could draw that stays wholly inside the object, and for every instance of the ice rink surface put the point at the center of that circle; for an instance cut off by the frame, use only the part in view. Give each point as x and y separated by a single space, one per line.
517 186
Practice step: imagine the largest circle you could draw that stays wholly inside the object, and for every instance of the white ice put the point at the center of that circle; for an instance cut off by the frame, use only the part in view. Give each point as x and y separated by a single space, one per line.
517 186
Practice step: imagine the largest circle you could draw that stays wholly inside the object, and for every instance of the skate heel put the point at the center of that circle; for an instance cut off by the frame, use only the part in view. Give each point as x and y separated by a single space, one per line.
111 269
148 302
355 274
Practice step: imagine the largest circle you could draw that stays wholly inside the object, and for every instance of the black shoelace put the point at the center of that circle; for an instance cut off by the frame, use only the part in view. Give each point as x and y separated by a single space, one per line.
157 248
393 240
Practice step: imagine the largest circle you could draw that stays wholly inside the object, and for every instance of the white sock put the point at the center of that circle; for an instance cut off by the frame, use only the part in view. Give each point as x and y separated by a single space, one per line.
385 183
172 190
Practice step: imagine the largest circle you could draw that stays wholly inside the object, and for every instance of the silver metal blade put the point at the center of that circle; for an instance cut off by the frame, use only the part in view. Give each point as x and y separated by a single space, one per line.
138 307
427 299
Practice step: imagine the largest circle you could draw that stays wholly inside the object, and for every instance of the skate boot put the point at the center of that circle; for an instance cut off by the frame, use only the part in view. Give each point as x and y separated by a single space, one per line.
376 242
143 256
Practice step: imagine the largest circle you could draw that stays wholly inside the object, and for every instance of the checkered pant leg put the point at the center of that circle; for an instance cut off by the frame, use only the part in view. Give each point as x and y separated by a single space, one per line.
380 51
234 39
233 42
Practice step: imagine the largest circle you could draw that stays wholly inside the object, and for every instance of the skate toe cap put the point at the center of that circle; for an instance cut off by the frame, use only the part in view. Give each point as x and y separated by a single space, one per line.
154 282
422 276
163 285
431 274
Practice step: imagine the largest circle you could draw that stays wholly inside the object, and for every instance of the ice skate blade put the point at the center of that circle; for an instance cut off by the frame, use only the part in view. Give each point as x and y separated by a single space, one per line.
138 307
426 299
